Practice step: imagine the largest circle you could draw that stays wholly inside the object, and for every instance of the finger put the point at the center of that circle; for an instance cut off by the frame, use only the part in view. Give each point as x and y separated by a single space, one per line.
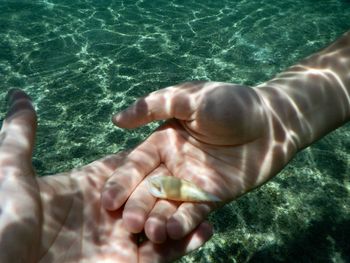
174 249
124 180
186 218
18 130
156 224
137 208
140 203
173 102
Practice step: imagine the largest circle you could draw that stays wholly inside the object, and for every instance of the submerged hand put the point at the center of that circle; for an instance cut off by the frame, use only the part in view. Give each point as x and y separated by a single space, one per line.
59 218
220 136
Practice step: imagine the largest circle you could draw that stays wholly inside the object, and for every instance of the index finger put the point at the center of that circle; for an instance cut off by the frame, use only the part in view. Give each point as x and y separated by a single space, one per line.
18 131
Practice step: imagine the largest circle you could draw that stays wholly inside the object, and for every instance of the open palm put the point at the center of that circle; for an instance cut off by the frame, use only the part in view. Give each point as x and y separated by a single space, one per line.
222 137
59 218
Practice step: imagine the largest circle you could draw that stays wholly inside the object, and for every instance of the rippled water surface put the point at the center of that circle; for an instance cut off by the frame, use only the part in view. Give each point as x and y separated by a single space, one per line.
81 61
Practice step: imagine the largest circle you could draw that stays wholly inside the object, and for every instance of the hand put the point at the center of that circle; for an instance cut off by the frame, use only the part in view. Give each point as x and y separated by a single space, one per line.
59 218
220 136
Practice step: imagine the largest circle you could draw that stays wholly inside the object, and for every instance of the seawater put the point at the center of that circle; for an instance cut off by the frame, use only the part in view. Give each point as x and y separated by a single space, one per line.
82 60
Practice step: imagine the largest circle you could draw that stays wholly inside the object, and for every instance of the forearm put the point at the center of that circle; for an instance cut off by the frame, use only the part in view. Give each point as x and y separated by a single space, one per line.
311 98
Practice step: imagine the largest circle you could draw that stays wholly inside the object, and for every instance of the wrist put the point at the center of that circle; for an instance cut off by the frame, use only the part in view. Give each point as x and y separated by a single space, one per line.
304 113
281 131
312 98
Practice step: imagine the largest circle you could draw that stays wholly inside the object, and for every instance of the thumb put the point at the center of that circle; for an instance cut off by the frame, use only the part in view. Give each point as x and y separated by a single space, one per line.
177 102
18 130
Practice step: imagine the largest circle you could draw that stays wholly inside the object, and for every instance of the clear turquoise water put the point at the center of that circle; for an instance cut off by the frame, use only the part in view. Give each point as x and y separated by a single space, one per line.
83 60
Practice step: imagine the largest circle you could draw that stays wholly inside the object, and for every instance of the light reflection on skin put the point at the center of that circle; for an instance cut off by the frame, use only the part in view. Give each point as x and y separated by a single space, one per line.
228 139
59 218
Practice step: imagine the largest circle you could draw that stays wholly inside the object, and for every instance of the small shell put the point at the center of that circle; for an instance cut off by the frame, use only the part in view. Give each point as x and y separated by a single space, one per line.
173 188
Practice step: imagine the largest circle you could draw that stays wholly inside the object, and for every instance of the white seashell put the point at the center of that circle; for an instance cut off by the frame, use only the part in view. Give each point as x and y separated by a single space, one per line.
173 188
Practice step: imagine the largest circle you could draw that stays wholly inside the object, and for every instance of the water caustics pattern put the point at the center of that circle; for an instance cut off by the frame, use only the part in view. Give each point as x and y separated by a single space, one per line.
81 61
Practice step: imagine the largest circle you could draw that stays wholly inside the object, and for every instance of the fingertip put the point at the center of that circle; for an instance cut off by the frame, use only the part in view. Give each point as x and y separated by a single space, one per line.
174 249
15 93
187 217
175 229
109 200
17 100
20 125
126 120
155 230
206 229
200 235
134 220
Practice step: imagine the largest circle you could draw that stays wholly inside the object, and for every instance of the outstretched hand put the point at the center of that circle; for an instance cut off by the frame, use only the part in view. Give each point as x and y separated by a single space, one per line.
59 218
222 137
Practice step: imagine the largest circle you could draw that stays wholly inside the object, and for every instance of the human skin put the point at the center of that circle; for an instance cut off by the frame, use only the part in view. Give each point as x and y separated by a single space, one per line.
226 138
59 218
